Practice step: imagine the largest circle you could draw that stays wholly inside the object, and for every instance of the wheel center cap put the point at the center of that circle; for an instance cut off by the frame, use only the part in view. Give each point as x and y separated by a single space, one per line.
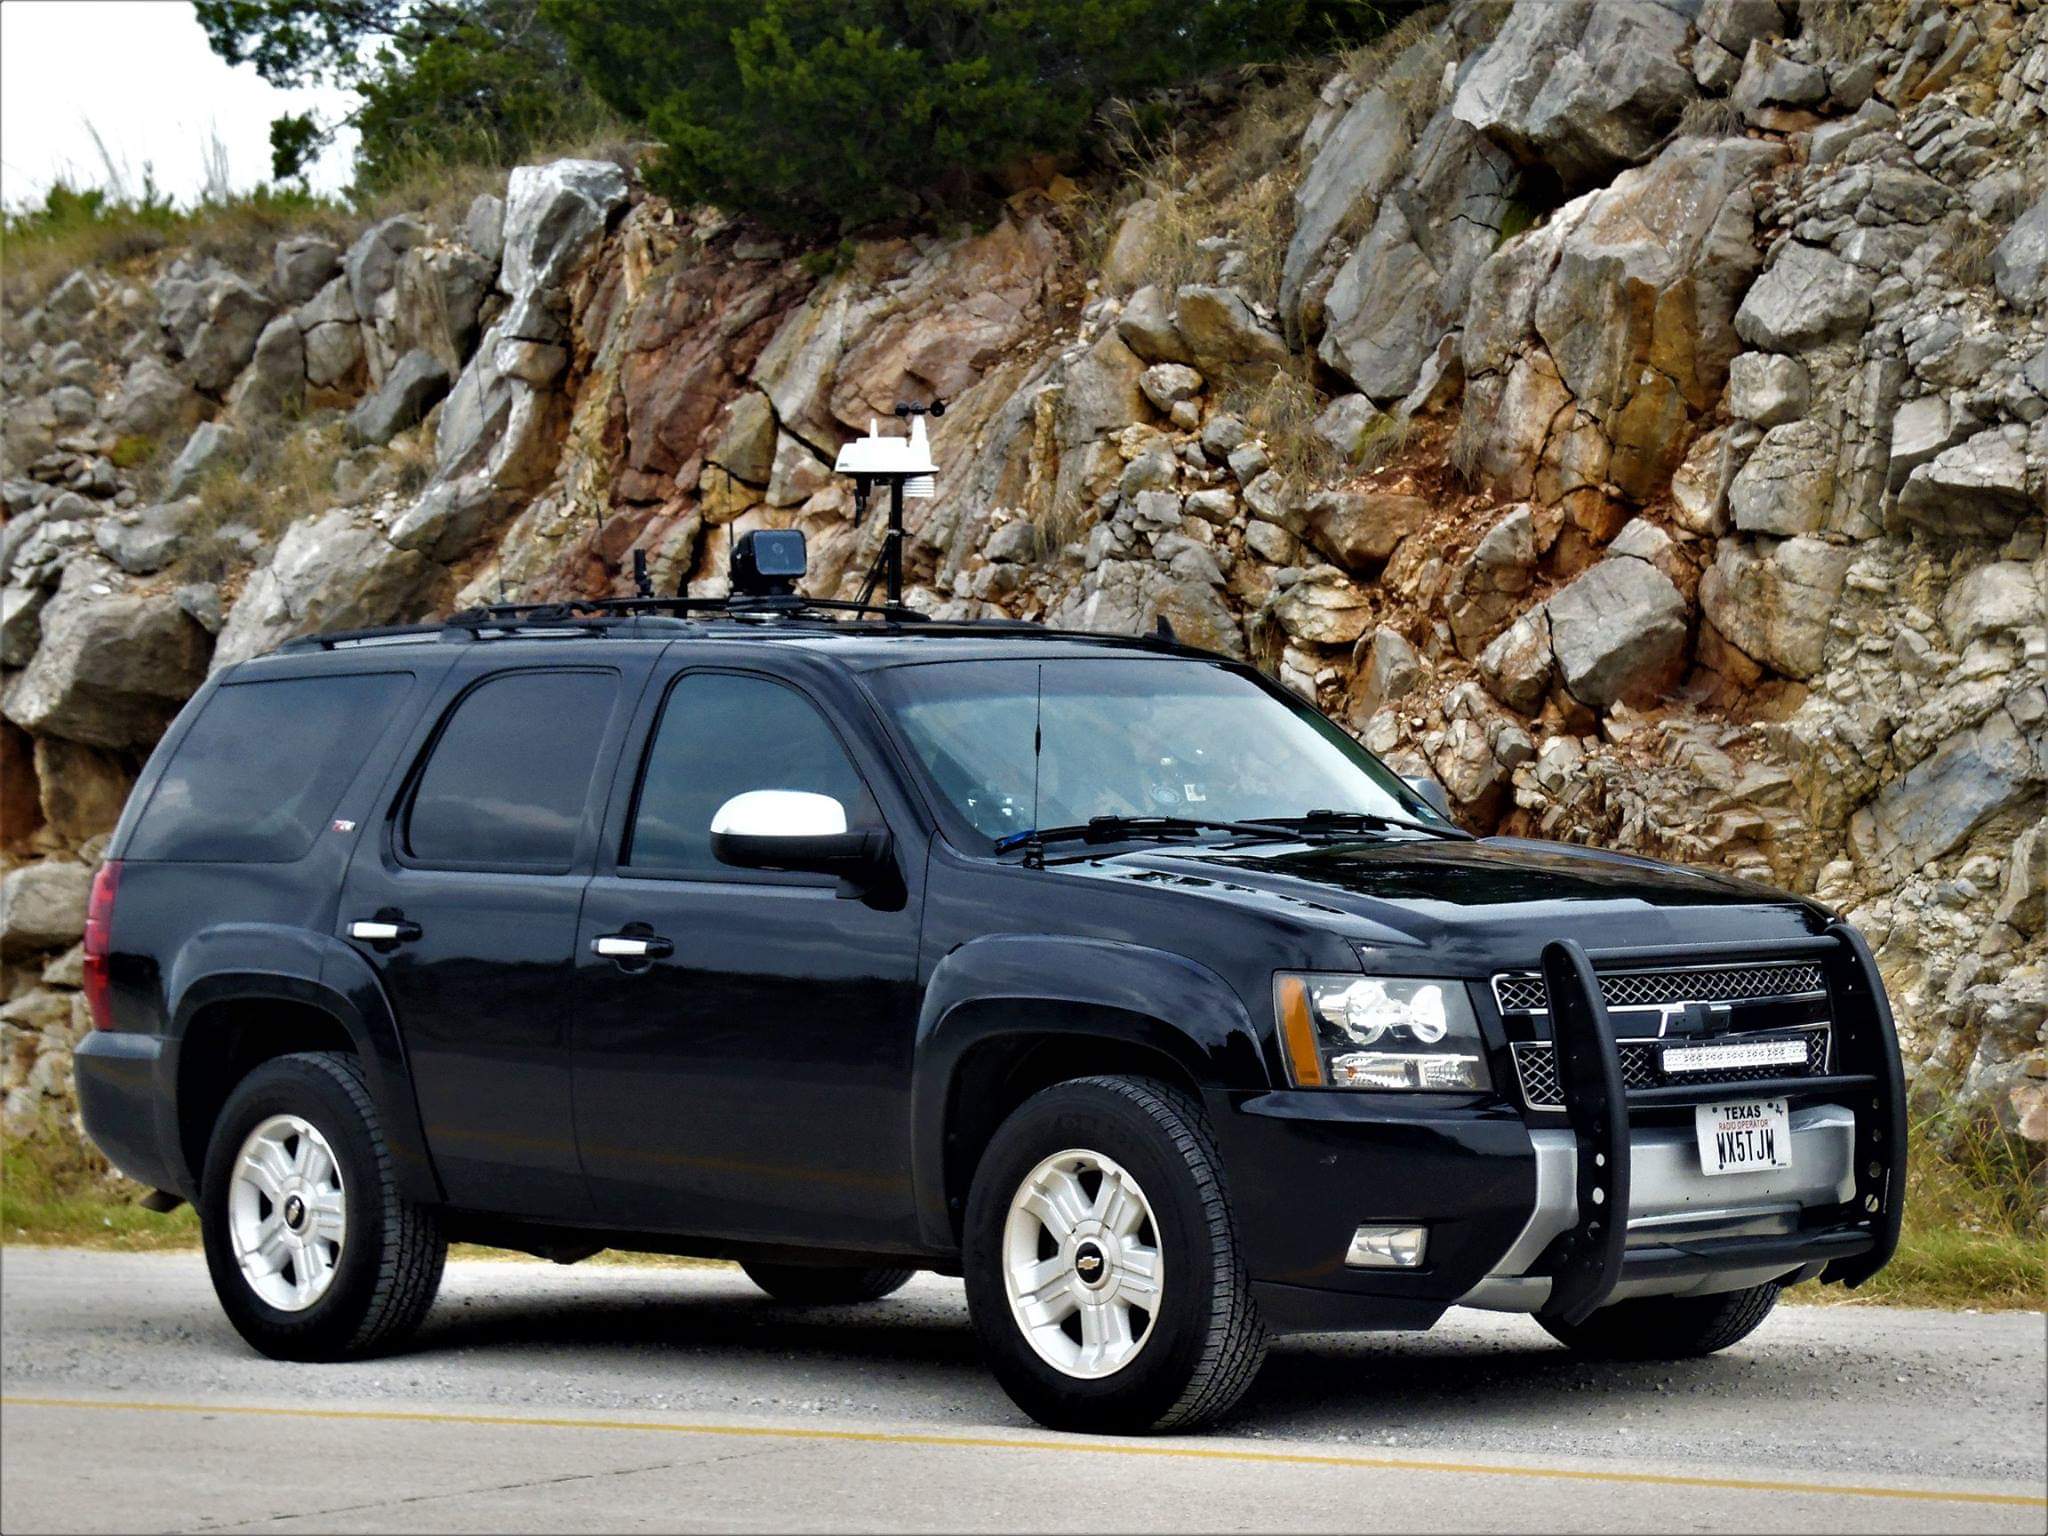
1091 1265
294 1212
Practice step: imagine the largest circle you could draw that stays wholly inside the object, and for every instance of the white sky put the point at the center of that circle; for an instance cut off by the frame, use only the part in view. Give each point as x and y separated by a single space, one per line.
141 73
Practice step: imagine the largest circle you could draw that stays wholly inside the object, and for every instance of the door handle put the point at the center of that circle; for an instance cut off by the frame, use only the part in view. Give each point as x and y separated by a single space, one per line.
385 931
632 946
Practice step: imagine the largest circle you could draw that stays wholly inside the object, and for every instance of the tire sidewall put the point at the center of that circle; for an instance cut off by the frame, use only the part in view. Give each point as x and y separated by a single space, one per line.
1095 1118
297 1085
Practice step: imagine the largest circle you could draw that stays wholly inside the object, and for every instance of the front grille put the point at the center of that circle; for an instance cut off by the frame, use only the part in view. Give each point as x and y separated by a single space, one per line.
1523 993
1536 1065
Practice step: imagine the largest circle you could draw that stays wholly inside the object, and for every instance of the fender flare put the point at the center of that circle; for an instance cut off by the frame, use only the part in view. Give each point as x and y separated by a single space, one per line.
1040 986
251 962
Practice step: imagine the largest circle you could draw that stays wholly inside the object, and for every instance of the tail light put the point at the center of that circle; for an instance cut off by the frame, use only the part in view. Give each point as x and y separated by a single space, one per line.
99 937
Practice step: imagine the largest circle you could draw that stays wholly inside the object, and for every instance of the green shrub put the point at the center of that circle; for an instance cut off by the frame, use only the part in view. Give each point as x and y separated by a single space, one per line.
815 114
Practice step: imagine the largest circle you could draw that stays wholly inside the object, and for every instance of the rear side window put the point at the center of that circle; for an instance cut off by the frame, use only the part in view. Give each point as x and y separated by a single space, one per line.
259 772
510 773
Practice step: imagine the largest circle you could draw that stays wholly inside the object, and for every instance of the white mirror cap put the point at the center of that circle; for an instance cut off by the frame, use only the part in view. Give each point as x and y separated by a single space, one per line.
780 813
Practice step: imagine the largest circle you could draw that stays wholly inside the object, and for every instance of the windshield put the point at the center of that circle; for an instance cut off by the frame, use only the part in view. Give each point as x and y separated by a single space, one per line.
1138 736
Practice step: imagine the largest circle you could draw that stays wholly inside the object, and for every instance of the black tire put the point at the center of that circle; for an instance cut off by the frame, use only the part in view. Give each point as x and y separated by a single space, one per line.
825 1285
1668 1327
1205 1344
390 1260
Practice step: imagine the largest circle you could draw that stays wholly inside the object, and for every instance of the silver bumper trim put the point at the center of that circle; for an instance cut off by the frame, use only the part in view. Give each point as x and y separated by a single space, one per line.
1670 1200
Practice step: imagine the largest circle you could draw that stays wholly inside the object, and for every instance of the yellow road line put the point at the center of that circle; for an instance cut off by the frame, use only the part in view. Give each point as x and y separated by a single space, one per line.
997 1443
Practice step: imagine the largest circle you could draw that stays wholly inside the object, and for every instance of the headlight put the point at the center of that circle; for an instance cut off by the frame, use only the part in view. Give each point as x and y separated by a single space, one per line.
1379 1032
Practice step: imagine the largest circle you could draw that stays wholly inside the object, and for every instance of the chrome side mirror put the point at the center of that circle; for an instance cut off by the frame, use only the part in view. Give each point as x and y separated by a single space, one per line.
796 830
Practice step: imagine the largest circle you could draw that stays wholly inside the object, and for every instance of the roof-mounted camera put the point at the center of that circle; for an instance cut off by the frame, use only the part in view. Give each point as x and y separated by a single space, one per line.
768 562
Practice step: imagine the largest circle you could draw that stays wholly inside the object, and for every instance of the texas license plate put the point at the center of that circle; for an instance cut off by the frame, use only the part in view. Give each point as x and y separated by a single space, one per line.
1744 1137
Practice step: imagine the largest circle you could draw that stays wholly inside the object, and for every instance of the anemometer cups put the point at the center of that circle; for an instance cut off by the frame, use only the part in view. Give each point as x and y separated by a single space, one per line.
768 562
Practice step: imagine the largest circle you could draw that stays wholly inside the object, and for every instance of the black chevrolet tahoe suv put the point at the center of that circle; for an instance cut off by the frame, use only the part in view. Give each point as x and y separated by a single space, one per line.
1101 972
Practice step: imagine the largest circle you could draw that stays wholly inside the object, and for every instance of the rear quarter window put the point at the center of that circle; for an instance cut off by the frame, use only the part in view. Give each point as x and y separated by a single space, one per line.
258 774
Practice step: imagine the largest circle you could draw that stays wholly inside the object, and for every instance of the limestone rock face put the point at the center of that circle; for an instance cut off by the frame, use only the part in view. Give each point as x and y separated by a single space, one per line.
1323 608
1983 487
1773 604
1806 295
331 572
2019 264
1359 529
1935 806
1583 87
300 266
42 906
1618 632
1788 485
229 317
409 390
1402 289
1353 165
114 665
1223 336
1592 343
154 401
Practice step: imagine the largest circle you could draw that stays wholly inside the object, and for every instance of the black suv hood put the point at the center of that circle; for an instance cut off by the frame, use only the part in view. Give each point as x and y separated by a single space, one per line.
1492 903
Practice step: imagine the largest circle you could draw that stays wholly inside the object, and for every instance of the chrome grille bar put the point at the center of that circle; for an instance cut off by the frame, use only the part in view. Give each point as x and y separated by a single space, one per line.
1523 992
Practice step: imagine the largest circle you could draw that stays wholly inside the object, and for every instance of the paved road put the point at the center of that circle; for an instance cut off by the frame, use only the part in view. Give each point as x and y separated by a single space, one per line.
606 1398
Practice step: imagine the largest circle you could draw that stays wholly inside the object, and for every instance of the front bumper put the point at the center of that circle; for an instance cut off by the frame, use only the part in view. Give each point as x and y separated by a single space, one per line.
1514 1218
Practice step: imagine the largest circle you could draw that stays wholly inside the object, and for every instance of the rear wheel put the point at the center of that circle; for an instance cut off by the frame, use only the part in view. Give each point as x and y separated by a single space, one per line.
1101 1261
827 1285
314 1253
1668 1327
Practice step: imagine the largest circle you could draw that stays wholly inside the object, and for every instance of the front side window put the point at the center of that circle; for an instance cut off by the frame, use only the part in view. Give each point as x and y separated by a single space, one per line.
722 734
1152 736
511 771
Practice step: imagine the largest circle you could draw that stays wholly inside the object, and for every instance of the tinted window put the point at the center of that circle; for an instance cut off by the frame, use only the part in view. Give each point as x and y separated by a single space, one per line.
257 775
510 773
721 735
1127 737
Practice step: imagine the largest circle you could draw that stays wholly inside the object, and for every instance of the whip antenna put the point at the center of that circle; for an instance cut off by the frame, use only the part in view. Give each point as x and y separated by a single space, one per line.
1034 847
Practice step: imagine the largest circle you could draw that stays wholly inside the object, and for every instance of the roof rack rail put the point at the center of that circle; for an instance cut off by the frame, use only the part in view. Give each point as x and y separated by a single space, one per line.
585 610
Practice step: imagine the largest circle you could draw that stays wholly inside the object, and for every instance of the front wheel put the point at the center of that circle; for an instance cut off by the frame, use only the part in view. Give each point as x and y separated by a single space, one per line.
827 1285
314 1252
1102 1268
1668 1327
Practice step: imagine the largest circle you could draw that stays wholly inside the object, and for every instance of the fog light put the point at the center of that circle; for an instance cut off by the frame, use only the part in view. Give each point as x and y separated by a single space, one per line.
1387 1248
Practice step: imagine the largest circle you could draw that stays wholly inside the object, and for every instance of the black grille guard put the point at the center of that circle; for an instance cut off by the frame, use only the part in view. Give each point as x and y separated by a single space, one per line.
1588 1261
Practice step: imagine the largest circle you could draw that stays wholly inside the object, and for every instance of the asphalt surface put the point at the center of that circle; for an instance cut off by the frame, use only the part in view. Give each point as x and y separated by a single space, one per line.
610 1398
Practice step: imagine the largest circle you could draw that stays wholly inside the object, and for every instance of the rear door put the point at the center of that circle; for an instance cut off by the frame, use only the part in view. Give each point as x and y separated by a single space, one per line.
468 905
751 1078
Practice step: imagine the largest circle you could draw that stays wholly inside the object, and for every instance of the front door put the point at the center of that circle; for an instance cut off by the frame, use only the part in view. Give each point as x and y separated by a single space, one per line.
749 1076
467 907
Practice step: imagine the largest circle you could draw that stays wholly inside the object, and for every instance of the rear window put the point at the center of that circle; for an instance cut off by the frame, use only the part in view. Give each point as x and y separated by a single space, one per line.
510 773
258 774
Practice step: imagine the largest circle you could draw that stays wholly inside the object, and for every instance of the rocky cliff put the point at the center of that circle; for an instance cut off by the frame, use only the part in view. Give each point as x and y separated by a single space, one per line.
1633 413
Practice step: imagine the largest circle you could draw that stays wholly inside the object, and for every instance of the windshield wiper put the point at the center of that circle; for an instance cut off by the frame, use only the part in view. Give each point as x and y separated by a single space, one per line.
1110 829
1360 821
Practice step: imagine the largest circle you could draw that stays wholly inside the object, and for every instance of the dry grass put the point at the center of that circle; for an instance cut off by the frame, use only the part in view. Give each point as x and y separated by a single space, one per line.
1711 117
1238 188
1847 29
1281 410
1971 242
280 477
1971 1236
